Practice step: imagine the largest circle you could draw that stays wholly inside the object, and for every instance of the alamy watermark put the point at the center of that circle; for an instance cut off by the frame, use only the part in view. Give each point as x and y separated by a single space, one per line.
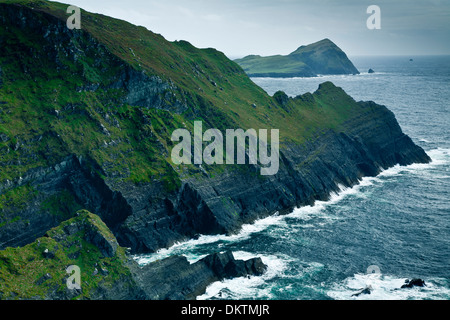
73 282
373 269
188 152
74 21
374 21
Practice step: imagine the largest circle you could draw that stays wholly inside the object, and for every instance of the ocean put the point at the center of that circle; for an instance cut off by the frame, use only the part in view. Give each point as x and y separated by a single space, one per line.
387 229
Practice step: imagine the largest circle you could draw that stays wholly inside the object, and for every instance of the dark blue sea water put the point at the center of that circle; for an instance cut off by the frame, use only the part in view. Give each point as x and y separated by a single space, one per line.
397 224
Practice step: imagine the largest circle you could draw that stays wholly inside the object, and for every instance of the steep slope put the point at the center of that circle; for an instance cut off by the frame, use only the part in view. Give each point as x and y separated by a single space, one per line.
322 57
40 270
86 118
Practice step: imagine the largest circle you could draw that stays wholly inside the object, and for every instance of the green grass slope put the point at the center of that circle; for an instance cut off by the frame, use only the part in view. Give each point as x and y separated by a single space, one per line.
38 270
45 116
66 94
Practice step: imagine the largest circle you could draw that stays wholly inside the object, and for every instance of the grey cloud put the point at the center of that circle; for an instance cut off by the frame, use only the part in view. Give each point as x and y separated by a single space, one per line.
241 27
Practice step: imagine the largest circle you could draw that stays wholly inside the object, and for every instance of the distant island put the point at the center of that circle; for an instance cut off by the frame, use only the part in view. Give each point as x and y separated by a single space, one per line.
320 58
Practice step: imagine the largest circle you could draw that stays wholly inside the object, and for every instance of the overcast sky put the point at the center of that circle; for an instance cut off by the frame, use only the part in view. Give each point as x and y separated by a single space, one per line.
242 27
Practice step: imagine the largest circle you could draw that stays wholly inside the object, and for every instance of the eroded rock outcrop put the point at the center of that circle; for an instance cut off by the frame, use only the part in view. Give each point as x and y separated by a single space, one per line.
175 278
413 283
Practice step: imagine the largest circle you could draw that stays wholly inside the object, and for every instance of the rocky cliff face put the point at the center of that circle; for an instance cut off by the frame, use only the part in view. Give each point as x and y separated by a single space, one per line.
371 143
174 278
85 123
71 180
74 181
109 117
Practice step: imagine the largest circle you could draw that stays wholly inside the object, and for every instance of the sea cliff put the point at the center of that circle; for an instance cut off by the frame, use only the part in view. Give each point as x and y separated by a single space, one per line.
86 118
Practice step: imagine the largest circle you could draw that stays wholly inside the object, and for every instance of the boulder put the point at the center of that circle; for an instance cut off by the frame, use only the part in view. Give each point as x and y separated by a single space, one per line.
413 283
174 278
255 266
224 265
366 290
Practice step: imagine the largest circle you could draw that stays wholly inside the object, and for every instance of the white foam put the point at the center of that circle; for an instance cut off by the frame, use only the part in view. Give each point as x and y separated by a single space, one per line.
261 287
387 288
319 207
184 248
252 287
439 156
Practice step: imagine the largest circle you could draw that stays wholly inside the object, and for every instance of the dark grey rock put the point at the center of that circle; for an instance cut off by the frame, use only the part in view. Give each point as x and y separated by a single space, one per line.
148 91
255 267
106 246
225 266
413 283
366 290
72 174
174 278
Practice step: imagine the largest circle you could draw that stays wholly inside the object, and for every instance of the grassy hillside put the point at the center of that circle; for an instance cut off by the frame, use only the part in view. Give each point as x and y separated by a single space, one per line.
86 118
322 57
38 270
48 110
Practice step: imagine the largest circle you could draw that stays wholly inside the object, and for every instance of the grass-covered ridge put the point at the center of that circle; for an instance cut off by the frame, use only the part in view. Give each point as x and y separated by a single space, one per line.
62 93
38 270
